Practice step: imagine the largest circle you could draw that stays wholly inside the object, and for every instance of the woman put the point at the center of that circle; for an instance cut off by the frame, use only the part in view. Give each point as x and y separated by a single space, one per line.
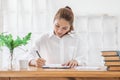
60 46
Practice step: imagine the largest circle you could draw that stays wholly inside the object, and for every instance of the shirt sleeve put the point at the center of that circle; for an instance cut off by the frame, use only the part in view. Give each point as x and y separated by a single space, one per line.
32 55
81 54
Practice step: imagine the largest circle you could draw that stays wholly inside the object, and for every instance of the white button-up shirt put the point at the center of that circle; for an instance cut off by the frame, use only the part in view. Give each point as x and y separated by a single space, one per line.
57 50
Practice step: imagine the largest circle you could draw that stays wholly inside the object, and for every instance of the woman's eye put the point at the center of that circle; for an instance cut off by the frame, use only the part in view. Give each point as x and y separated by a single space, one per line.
57 26
65 28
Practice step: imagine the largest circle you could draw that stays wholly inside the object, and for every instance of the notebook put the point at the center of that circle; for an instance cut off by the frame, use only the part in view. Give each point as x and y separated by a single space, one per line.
55 66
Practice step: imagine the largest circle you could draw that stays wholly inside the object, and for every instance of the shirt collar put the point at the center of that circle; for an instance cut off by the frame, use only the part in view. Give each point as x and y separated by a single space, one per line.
71 34
51 34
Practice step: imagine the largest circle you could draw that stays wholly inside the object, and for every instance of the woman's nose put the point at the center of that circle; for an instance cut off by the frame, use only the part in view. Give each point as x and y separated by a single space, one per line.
59 30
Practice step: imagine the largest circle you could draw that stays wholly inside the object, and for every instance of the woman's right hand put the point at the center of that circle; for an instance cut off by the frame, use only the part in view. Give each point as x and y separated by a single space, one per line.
40 62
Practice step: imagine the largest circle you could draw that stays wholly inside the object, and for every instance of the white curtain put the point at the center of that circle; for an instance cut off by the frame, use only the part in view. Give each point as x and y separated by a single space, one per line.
20 17
98 32
23 16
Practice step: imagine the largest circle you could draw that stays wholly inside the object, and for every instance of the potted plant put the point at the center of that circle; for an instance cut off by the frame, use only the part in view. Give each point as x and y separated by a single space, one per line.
7 40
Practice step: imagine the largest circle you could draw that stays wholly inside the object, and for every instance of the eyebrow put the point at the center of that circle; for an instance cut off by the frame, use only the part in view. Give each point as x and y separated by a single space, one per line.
56 24
65 27
59 25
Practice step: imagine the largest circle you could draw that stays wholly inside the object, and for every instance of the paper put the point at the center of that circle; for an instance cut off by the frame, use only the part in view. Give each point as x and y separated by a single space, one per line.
55 66
91 68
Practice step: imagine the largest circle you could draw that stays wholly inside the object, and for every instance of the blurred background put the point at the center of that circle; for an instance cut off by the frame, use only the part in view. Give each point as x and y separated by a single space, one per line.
96 23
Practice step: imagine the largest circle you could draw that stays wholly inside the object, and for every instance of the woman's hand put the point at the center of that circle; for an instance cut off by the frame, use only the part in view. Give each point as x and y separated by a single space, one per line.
40 62
71 63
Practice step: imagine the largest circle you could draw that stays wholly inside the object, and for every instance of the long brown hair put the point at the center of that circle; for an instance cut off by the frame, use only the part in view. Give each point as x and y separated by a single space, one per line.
67 14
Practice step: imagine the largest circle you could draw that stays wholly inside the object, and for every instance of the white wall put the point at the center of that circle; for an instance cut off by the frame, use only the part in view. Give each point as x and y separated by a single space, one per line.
95 8
90 7
81 7
0 18
111 7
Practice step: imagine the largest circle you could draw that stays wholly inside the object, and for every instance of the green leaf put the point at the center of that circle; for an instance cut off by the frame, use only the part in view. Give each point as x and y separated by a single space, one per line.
7 40
23 41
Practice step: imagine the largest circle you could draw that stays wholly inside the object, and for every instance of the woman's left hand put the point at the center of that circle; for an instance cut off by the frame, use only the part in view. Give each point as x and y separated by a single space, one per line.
71 63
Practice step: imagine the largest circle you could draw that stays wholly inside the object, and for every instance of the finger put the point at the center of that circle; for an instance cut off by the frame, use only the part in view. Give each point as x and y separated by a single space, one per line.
71 63
40 64
64 64
67 63
76 64
41 60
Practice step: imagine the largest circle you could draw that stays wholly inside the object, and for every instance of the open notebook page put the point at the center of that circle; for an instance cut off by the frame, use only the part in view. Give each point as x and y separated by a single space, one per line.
55 66
91 68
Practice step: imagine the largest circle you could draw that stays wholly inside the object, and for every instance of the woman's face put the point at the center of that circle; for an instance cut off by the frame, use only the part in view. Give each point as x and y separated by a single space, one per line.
61 27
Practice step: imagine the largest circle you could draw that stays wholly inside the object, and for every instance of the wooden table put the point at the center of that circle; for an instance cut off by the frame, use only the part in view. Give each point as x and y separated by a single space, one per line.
57 74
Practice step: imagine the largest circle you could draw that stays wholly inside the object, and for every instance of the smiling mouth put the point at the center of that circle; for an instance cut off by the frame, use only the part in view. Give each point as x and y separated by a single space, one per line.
59 34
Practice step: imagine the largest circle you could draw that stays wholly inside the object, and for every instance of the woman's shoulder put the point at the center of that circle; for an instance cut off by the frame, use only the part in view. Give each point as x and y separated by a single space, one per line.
41 38
44 36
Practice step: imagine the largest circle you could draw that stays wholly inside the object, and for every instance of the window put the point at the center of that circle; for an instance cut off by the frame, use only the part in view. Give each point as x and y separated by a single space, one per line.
20 17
